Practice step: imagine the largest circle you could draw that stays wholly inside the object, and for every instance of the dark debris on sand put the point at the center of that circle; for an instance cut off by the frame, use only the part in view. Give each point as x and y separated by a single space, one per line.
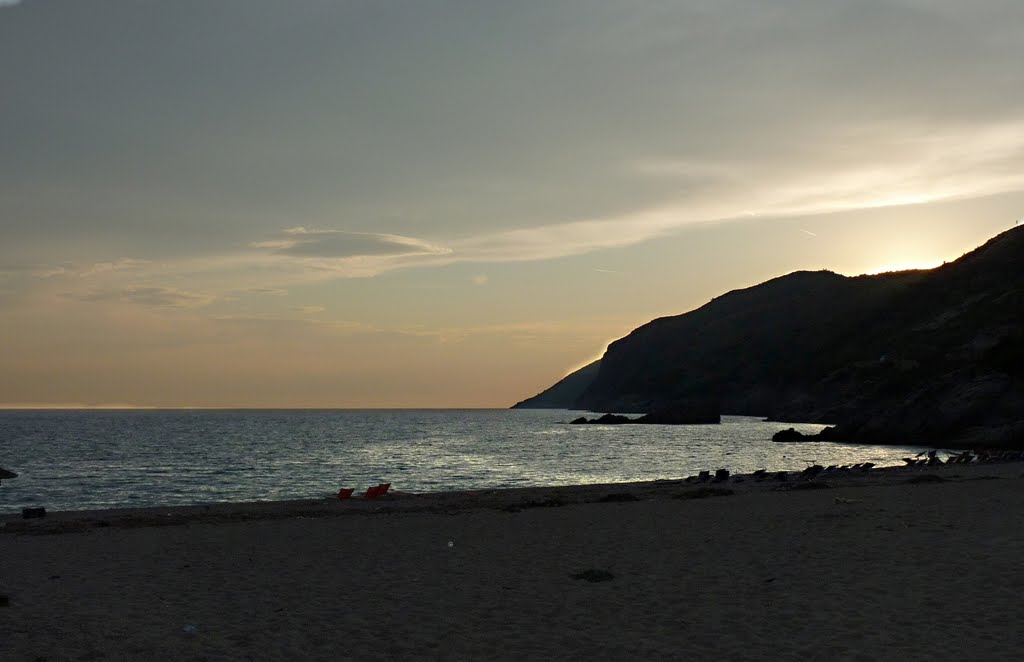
800 487
594 575
615 497
927 478
704 492
553 502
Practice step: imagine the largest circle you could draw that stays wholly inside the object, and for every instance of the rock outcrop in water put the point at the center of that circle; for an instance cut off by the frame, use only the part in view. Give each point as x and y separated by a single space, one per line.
690 413
924 357
791 435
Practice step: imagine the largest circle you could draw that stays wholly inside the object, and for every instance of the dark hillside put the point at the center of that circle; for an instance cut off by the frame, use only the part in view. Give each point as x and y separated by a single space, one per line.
564 393
752 349
923 356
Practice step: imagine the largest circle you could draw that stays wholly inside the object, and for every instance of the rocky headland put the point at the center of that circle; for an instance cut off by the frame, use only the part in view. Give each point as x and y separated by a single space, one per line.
928 357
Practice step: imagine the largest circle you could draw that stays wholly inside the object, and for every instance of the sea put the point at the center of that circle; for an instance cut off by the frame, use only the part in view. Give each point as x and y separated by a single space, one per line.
91 459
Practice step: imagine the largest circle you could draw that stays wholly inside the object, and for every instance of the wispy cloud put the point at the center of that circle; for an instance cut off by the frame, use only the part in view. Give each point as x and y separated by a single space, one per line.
73 270
315 243
262 291
941 164
162 297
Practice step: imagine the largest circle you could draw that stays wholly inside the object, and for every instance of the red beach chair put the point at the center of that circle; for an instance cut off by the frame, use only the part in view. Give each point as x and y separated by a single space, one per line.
382 489
346 492
372 492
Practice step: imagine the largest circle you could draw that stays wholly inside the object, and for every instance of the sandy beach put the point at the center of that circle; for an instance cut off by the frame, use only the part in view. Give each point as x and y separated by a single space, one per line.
911 564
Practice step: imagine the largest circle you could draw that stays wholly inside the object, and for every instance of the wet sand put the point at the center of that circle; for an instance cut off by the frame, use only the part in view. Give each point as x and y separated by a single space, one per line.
889 564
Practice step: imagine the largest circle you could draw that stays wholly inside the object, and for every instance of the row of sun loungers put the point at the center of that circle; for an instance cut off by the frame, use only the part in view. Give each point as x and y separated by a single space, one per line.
1000 456
931 459
923 459
811 472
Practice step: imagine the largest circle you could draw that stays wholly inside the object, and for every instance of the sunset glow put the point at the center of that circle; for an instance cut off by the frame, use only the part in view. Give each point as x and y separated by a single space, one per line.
381 205
905 266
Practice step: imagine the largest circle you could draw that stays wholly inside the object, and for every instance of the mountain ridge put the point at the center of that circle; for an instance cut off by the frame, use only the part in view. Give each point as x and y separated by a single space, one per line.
925 357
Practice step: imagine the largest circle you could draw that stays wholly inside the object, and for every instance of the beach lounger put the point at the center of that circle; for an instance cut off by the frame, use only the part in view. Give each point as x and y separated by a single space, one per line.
810 472
377 490
346 492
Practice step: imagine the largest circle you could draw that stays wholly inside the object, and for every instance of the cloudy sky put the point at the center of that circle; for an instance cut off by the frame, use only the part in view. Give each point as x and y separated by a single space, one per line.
431 203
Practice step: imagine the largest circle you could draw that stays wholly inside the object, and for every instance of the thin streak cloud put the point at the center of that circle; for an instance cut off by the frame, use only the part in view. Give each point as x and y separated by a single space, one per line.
946 165
312 243
161 297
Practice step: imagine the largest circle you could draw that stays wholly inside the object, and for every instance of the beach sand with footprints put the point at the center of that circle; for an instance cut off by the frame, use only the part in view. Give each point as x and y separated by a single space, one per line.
921 562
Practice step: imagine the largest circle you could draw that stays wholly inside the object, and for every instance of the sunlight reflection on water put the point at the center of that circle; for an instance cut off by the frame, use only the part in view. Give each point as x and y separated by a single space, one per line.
71 460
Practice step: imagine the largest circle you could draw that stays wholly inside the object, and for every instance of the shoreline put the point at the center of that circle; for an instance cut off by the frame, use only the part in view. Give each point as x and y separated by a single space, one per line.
506 499
920 563
153 475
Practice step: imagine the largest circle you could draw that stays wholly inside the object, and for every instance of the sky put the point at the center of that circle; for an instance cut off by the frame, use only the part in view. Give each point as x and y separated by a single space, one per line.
433 203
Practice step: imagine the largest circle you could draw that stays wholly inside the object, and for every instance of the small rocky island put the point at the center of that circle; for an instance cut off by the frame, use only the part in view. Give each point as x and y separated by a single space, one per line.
688 413
791 435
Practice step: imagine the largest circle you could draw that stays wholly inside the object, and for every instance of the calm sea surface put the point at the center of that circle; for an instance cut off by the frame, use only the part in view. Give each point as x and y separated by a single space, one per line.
74 460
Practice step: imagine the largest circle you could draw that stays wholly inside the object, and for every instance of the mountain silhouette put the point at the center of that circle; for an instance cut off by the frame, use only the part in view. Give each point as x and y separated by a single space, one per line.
565 392
932 357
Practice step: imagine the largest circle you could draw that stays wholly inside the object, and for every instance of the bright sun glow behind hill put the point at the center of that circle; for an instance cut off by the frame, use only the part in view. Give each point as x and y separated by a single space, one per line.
904 266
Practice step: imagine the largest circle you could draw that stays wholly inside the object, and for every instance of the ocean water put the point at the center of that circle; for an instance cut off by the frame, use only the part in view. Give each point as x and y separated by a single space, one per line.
77 460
